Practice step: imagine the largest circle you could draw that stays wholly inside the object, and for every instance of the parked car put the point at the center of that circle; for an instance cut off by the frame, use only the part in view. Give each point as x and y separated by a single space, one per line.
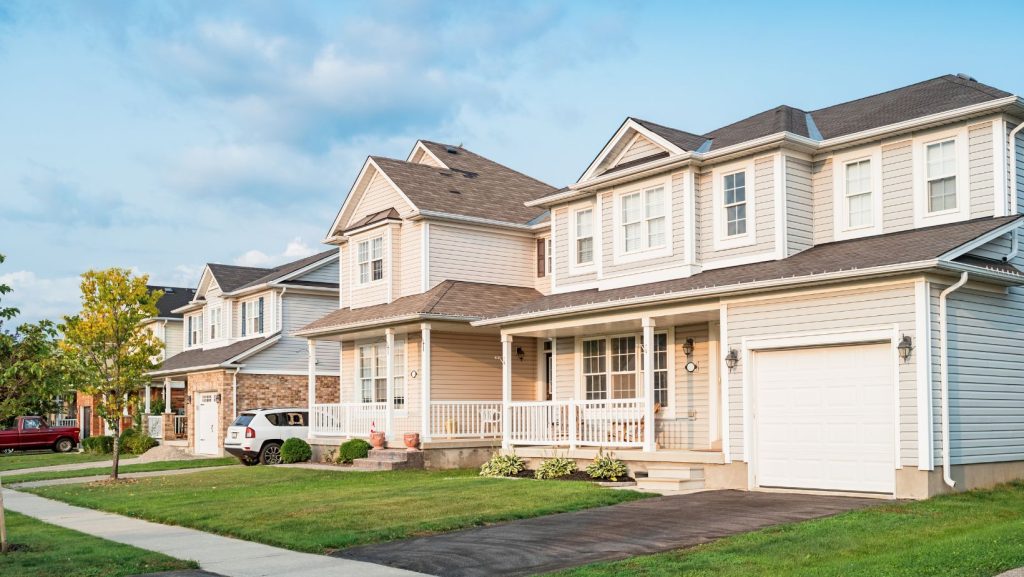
35 433
256 435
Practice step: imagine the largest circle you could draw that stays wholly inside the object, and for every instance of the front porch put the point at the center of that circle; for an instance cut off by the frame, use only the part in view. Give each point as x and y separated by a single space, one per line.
164 412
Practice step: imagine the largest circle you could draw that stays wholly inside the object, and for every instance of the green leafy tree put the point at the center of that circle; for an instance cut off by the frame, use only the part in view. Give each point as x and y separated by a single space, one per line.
6 313
111 351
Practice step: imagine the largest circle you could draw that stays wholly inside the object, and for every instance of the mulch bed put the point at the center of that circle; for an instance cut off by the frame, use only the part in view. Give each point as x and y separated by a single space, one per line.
576 476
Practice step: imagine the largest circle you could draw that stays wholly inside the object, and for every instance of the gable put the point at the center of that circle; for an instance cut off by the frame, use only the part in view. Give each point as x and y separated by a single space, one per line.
325 273
372 192
422 155
632 144
639 148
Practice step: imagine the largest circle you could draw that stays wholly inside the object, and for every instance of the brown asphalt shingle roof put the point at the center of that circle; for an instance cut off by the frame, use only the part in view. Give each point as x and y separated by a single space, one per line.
204 358
232 278
864 253
388 213
458 300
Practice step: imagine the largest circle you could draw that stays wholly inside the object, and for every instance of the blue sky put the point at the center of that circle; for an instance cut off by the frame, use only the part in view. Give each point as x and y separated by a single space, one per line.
164 135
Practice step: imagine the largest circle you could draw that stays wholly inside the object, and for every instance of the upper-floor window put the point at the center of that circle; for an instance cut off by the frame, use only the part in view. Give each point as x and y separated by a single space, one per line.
551 255
643 219
252 317
940 158
858 194
216 323
584 233
194 330
370 255
735 203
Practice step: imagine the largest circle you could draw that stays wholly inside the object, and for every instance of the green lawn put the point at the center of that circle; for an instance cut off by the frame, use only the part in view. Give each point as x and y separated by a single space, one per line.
30 460
317 511
52 550
976 534
138 468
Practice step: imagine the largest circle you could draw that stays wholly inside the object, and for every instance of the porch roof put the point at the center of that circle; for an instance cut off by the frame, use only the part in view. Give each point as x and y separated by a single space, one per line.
923 245
204 359
450 300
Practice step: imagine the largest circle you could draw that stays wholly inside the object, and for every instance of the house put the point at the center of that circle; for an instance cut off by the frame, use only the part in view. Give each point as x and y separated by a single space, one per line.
237 350
830 300
167 326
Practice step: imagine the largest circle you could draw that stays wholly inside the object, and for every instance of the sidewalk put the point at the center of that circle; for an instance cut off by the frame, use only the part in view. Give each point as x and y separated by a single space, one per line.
222 555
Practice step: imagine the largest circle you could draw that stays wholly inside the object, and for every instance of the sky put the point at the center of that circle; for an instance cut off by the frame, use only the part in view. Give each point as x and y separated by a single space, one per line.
160 136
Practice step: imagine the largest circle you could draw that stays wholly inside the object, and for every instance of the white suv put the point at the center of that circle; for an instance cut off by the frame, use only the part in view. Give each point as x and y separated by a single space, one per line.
257 434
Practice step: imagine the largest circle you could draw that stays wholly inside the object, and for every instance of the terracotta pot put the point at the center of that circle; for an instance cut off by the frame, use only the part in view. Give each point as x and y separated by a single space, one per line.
412 440
377 440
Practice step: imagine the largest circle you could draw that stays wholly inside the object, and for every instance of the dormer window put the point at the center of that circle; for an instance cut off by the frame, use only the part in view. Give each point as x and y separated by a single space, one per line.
734 206
216 328
584 234
195 330
642 222
370 254
252 317
735 203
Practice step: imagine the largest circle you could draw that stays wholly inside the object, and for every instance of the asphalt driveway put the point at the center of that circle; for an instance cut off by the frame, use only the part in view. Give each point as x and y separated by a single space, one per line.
567 540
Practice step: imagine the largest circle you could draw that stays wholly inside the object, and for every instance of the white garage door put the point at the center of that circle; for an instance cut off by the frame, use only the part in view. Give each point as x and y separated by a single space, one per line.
825 418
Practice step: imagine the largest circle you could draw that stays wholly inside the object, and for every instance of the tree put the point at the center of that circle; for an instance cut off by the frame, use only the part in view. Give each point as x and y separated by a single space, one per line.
112 352
6 313
33 371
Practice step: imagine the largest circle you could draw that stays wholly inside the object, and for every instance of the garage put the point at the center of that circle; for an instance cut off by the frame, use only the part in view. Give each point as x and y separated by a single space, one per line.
825 418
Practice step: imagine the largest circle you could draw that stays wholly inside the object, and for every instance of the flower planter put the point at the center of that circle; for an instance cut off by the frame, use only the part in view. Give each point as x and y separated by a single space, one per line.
412 441
377 440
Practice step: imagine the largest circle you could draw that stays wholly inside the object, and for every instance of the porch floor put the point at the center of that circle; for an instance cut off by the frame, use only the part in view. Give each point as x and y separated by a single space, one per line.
570 539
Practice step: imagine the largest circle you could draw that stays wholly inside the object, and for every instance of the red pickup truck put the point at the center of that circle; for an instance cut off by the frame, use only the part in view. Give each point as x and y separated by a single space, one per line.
34 433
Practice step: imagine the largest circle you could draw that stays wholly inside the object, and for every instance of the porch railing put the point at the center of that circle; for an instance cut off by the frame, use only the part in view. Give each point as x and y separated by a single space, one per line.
65 422
347 419
608 423
155 426
465 419
180 426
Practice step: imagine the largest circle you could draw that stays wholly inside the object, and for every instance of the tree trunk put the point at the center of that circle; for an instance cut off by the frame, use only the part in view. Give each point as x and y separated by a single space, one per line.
116 450
3 523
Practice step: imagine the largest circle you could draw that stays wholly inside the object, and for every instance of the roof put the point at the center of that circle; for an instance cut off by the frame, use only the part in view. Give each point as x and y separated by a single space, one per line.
682 139
386 214
173 298
457 300
473 186
231 278
196 358
864 253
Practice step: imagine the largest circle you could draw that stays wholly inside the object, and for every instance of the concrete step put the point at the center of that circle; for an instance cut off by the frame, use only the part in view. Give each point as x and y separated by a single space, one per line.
669 484
381 465
391 459
399 455
679 473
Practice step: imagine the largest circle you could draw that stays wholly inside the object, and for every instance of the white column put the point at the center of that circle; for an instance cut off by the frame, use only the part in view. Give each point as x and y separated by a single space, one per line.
341 371
506 389
648 324
167 395
425 379
311 376
149 391
125 412
389 374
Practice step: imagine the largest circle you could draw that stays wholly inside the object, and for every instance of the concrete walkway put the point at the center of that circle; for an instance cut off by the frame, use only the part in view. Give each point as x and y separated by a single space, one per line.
221 555
603 534
92 478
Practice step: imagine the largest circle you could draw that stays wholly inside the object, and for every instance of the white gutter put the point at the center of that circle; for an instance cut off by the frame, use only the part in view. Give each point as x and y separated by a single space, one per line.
944 376
234 391
382 321
1013 166
1014 246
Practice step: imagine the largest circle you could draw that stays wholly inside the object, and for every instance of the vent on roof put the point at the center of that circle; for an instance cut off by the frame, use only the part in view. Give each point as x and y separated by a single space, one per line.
168 290
445 172
451 150
453 191
966 77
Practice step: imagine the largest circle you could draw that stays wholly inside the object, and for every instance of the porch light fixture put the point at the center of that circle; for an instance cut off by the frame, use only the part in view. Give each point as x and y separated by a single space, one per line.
520 353
905 347
732 359
688 347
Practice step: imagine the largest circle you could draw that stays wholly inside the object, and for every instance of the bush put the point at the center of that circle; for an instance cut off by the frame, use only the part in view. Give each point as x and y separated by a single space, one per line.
606 467
502 466
352 450
295 450
134 442
556 468
98 445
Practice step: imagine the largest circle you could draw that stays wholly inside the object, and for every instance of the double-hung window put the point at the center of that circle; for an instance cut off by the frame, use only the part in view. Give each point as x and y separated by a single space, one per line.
643 223
661 395
859 194
252 317
735 203
195 330
624 367
215 324
398 373
595 366
550 256
370 255
940 159
613 368
584 232
373 367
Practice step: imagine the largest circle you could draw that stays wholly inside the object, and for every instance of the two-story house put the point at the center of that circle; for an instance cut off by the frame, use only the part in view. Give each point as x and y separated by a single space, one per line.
817 300
237 348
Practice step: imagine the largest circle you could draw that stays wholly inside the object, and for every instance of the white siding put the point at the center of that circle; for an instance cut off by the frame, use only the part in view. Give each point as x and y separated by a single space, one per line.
642 147
764 226
379 195
289 354
982 175
480 255
897 186
409 263
824 210
799 205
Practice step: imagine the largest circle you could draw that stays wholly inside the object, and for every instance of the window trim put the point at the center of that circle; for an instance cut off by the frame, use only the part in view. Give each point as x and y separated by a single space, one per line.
619 254
720 240
252 304
581 385
190 330
357 273
595 213
357 395
961 137
215 323
840 219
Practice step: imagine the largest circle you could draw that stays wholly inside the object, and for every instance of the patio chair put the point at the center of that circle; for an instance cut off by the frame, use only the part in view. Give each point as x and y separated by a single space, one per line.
490 421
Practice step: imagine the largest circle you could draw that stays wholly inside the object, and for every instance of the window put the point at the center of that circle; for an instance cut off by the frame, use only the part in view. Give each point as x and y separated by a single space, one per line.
398 373
551 256
584 236
661 369
735 203
373 367
594 368
858 194
643 219
195 330
371 260
252 317
624 367
215 323
613 368
940 158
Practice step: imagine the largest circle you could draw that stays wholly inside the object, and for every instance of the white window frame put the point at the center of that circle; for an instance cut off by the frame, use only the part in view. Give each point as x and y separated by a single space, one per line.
379 373
645 251
840 203
922 217
549 262
215 323
667 412
197 321
251 305
574 267
720 239
370 260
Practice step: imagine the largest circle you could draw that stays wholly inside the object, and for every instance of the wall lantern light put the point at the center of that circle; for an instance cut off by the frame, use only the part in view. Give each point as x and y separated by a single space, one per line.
688 347
217 398
905 347
520 353
732 359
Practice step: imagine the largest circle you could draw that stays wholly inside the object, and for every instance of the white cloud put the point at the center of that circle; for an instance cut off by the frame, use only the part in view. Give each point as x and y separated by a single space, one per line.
41 298
295 250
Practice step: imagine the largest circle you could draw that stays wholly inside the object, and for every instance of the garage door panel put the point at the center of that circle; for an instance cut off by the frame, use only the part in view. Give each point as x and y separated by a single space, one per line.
825 418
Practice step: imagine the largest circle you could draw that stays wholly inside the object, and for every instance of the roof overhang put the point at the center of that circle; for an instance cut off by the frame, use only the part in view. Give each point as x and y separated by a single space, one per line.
627 125
231 363
381 322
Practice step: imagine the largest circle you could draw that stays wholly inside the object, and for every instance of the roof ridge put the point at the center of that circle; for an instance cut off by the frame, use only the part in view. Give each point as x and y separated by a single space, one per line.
943 77
765 111
658 124
505 166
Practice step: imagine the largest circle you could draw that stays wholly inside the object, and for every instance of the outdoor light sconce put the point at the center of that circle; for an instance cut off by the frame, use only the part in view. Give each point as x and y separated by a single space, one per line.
188 399
688 347
732 359
905 347
217 398
520 353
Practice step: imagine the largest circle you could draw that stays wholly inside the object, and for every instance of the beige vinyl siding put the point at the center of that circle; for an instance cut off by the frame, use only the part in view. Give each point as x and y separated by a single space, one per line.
467 367
897 186
393 269
981 168
423 158
691 394
379 195
824 195
564 251
854 309
477 254
764 225
799 205
376 292
410 419
345 274
410 265
565 368
642 147
325 273
289 354
174 335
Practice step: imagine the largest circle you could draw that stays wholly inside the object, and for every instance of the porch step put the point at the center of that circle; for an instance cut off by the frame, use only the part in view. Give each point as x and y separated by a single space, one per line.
679 473
672 479
391 459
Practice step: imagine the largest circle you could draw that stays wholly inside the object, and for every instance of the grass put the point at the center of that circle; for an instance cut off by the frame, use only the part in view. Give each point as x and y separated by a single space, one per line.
51 550
137 468
976 534
47 459
318 511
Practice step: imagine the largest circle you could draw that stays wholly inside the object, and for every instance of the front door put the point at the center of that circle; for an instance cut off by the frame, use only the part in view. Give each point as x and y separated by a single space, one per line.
206 424
86 422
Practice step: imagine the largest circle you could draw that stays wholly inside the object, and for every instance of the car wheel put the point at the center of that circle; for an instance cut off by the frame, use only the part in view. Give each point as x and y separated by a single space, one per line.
6 450
271 454
63 445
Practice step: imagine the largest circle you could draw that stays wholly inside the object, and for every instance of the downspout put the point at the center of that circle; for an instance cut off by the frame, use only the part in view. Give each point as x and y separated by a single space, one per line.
234 390
944 376
1014 247
1013 166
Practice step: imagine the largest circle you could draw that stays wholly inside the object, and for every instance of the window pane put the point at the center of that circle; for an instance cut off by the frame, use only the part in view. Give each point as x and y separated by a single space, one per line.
736 219
623 354
597 387
364 251
941 158
735 188
584 223
858 177
631 237
364 272
378 248
655 205
859 210
624 386
631 208
656 232
585 250
942 194
378 269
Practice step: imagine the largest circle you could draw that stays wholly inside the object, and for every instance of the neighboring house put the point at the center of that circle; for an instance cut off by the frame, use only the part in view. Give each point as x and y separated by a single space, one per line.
831 300
238 348
167 326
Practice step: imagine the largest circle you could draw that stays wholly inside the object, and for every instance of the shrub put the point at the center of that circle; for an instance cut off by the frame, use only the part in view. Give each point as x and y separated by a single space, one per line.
295 450
137 443
502 466
606 467
556 468
353 449
98 445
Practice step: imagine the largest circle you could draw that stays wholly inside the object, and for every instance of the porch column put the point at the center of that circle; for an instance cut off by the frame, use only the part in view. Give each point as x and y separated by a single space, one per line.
389 374
506 390
648 324
311 377
149 391
125 412
167 395
341 371
425 380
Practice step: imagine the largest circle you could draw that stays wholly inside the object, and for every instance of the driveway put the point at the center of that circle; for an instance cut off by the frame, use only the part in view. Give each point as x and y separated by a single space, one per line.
608 533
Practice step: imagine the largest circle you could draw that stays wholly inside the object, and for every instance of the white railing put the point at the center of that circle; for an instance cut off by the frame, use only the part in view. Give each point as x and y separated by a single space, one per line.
465 419
347 419
155 426
65 422
610 423
180 426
